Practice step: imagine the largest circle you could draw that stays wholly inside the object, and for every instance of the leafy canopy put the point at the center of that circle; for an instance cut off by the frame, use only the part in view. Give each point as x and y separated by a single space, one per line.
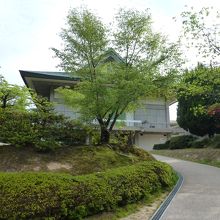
12 96
198 90
109 83
202 30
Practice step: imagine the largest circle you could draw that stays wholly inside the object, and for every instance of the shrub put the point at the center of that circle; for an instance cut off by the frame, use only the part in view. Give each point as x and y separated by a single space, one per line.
62 196
163 146
200 143
214 142
141 153
181 142
44 131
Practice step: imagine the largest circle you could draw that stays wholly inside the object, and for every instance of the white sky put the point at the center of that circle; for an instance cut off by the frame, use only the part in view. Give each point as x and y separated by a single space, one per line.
29 28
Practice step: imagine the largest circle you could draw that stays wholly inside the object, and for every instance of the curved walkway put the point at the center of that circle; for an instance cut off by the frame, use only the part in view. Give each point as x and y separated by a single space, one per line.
199 197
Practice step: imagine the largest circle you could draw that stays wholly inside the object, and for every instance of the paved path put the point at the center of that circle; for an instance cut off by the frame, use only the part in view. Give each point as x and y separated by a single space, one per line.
199 197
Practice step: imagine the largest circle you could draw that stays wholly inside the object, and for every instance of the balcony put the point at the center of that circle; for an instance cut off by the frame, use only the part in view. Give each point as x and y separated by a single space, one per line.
137 125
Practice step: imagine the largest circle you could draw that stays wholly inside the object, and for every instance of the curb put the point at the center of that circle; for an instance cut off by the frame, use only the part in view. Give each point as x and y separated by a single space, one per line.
161 210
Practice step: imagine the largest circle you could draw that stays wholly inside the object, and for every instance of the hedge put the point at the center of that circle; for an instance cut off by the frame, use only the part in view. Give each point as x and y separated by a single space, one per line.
181 142
178 142
44 131
162 146
62 196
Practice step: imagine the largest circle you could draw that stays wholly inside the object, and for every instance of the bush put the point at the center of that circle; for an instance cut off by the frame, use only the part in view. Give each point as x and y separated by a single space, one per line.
163 146
181 142
62 196
200 143
44 131
140 153
214 142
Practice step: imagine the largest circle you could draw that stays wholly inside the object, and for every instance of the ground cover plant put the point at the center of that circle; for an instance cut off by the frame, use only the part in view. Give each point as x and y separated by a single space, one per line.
63 196
77 160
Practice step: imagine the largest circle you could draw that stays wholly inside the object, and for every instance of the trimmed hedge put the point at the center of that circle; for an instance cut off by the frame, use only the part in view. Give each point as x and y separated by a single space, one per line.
62 196
43 131
178 142
200 143
181 142
161 146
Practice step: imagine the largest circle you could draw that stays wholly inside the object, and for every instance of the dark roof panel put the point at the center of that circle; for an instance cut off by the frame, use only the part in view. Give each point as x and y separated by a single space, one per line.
49 75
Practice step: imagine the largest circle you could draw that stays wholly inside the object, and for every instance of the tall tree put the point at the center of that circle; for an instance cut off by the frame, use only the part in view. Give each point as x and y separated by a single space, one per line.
202 30
110 84
198 90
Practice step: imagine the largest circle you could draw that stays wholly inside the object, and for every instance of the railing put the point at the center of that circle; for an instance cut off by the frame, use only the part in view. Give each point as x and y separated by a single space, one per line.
140 124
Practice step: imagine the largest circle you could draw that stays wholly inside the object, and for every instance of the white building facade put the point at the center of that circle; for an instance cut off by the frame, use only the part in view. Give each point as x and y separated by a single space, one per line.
150 121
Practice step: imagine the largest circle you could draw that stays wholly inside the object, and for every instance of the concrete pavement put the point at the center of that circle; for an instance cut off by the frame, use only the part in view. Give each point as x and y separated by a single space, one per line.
199 197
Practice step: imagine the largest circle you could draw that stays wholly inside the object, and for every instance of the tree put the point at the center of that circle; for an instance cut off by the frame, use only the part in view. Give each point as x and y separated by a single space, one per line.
202 30
12 96
109 87
198 90
214 111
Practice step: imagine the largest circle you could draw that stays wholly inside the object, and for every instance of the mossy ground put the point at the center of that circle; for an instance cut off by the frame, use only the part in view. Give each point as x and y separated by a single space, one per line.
74 160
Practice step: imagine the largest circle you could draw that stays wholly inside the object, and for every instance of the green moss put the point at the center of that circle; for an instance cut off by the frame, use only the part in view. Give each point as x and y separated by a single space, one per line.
81 160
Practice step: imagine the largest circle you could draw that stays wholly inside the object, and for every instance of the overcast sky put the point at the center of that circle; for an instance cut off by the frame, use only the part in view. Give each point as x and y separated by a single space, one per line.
30 27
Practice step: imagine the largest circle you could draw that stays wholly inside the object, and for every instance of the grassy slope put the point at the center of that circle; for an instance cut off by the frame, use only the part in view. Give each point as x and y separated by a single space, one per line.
80 160
75 160
208 156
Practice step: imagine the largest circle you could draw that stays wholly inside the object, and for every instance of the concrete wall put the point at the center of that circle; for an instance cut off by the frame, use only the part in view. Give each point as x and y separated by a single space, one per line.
147 141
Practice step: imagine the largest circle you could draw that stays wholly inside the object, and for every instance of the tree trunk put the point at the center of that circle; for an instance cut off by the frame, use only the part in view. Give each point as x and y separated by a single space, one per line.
105 136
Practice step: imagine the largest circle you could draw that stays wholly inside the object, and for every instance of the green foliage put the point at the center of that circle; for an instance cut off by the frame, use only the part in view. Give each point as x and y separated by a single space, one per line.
13 96
188 141
198 90
110 84
178 142
214 142
200 143
124 139
62 196
181 142
77 160
201 29
43 104
44 131
140 153
163 146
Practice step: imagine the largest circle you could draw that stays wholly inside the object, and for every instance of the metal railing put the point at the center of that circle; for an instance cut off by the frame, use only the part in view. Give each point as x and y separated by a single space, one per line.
140 124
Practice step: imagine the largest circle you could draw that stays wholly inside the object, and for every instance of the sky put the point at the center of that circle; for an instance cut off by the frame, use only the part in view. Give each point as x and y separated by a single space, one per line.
29 28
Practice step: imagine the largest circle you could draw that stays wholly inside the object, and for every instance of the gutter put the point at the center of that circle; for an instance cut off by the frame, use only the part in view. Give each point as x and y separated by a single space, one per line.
163 207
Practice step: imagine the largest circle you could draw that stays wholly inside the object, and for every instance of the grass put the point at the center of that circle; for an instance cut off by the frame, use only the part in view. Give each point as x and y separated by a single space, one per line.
207 156
73 160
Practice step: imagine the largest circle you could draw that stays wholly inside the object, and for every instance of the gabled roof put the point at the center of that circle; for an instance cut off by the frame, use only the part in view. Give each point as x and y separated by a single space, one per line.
109 55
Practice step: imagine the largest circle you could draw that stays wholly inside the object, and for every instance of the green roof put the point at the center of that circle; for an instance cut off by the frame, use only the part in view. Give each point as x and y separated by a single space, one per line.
109 55
49 75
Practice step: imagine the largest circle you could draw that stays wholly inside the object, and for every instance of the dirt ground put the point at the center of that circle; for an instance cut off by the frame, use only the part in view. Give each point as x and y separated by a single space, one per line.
147 211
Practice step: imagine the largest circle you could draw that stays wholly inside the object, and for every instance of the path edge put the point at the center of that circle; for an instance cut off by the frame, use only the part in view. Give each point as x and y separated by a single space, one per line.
165 204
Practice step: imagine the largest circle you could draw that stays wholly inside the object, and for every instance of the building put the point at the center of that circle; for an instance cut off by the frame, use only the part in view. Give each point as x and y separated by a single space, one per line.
151 122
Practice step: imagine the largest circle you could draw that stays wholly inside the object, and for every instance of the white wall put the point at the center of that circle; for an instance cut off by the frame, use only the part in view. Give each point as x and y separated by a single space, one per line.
59 105
147 141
